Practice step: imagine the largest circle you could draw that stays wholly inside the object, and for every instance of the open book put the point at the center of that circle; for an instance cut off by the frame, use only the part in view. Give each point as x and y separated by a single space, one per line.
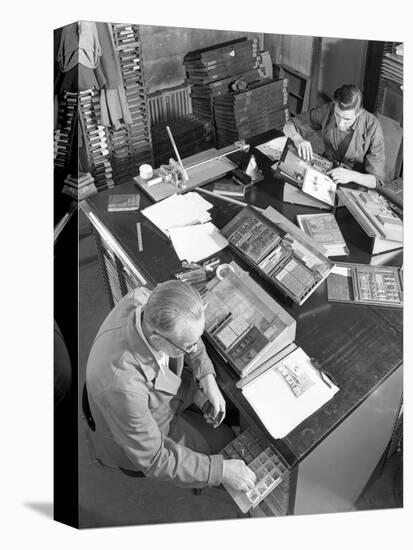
308 177
319 185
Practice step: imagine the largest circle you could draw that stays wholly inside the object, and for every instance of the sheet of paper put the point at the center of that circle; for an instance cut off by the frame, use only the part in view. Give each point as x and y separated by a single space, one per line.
197 242
195 200
288 393
178 211
273 148
319 186
344 271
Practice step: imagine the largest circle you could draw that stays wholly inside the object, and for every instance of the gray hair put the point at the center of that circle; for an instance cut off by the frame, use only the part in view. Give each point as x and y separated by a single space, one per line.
172 303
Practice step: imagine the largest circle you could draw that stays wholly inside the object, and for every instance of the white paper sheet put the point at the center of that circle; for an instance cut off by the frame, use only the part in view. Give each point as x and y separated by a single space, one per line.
345 271
319 186
273 148
178 211
275 403
197 242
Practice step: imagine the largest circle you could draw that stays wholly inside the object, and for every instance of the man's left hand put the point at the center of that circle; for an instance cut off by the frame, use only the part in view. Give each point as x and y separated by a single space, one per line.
341 175
210 388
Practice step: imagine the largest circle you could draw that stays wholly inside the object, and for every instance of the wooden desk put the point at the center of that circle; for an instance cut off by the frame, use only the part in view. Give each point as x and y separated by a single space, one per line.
332 454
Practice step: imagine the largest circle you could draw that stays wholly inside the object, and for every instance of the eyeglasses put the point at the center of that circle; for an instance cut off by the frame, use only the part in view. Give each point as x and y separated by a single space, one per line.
187 349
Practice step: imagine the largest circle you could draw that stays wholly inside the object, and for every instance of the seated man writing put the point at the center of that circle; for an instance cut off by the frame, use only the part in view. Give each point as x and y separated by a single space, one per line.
139 388
351 135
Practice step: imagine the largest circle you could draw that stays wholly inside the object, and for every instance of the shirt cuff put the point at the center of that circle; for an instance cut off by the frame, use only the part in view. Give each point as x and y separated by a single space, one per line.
204 367
216 470
206 374
379 182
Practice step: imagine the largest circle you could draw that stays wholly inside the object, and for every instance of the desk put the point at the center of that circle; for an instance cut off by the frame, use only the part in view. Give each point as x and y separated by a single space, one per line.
332 454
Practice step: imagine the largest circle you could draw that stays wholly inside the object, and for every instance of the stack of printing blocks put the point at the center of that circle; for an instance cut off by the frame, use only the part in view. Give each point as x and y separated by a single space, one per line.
191 135
254 449
63 137
212 71
262 107
131 145
95 139
216 62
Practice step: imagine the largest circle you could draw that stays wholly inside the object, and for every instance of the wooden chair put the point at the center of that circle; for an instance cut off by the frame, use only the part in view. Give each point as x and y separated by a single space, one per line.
393 144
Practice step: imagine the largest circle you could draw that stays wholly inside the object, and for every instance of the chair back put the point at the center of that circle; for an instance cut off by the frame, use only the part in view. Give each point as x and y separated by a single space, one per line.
86 409
393 142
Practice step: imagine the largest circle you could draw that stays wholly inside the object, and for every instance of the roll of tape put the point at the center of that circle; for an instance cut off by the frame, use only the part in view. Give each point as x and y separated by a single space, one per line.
154 181
223 270
145 171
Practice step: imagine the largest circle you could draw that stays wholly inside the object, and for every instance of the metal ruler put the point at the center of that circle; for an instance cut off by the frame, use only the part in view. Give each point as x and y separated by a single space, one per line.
139 233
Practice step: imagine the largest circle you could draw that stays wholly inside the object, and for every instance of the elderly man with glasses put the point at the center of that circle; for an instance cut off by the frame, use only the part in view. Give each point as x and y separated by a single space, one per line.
147 365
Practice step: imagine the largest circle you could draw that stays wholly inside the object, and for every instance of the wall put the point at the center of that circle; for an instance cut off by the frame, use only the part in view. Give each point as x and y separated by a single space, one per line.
342 62
163 50
292 50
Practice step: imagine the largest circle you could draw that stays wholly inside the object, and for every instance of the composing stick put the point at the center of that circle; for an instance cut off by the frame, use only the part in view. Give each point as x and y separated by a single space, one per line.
184 173
139 233
238 146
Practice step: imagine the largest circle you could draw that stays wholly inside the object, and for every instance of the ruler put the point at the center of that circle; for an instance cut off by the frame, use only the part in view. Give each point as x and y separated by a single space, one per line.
139 233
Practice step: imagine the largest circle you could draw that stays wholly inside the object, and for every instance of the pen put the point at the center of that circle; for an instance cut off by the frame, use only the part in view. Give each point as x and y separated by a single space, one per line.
322 375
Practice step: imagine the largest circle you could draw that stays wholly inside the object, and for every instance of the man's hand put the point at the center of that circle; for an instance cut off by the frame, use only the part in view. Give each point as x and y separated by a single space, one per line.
304 148
341 175
210 388
237 475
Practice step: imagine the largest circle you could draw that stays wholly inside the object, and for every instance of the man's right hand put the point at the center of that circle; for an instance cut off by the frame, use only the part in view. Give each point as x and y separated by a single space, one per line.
238 476
304 148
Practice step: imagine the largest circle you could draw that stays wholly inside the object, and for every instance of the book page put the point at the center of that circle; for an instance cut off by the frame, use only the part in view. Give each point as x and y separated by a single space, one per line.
288 393
319 186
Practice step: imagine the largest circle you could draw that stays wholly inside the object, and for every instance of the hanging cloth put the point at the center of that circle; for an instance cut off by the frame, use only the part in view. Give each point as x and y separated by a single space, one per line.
113 102
78 57
79 43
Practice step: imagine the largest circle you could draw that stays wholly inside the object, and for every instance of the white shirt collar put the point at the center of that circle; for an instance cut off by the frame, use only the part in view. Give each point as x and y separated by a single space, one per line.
161 358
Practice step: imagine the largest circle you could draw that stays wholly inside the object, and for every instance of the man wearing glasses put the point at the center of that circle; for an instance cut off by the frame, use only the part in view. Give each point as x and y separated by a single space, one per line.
139 391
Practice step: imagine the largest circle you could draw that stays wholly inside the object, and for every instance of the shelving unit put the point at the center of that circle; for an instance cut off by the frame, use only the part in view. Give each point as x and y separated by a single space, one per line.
131 145
299 86
389 99
95 139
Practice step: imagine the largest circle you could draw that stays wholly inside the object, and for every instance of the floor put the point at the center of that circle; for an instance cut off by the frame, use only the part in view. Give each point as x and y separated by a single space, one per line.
109 498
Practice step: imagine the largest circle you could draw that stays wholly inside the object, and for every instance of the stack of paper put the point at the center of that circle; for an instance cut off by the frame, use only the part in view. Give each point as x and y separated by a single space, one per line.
178 211
183 219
